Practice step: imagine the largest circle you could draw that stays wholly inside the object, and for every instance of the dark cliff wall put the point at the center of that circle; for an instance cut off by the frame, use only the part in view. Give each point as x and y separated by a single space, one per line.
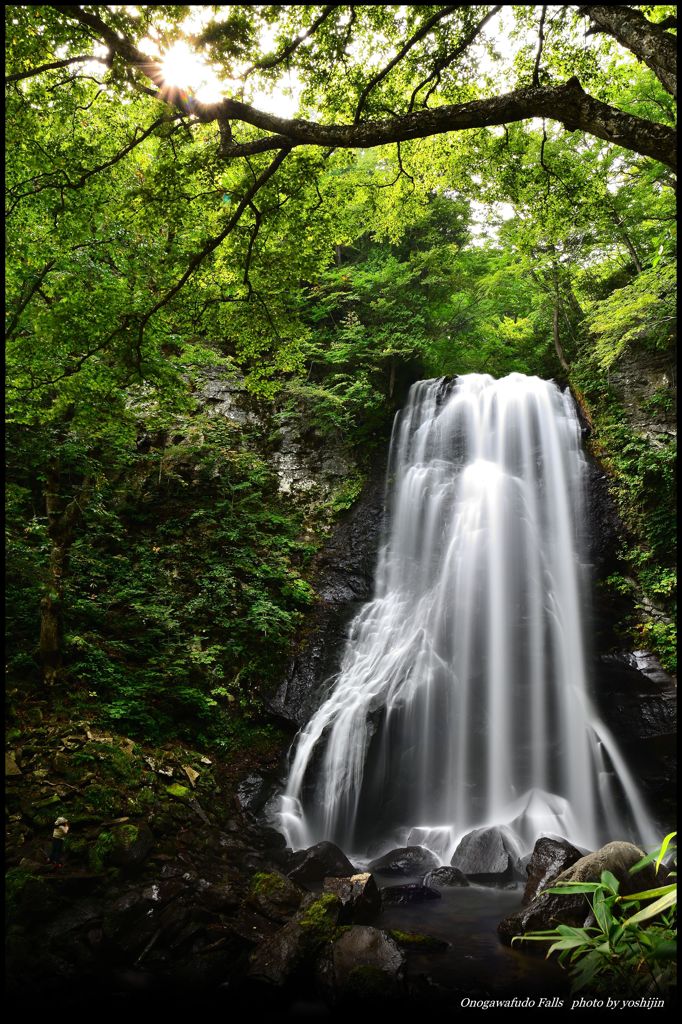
343 577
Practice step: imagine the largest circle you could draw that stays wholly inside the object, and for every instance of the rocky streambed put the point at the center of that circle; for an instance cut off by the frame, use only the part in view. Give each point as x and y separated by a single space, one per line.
194 904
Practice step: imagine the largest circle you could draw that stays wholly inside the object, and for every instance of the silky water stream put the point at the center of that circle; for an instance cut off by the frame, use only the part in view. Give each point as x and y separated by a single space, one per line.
463 698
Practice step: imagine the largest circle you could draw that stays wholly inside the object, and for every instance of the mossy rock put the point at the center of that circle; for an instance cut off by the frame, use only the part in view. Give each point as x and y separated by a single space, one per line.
132 844
319 916
105 800
178 791
368 982
100 853
417 943
274 895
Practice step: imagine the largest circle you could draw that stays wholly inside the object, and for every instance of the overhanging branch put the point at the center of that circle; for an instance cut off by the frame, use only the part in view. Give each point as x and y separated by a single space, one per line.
567 104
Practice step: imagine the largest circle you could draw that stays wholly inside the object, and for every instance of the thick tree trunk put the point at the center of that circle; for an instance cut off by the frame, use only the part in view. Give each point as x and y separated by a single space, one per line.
51 618
648 41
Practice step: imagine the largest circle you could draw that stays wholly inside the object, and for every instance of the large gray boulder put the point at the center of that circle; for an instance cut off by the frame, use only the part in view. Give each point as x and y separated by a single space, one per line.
547 911
445 878
407 860
487 856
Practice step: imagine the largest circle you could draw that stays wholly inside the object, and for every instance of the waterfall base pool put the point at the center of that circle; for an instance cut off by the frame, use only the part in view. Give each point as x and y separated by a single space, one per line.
476 964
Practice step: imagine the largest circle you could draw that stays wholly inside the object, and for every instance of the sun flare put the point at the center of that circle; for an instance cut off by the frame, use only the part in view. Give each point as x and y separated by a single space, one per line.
185 69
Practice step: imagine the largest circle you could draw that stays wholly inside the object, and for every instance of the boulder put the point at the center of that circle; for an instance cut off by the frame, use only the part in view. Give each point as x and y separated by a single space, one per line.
319 861
408 860
274 895
359 896
275 960
298 943
487 856
131 844
220 897
409 893
252 793
549 858
367 965
545 912
445 877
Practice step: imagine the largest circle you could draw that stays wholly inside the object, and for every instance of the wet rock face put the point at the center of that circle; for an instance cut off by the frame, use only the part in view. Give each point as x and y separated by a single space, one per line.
359 896
486 856
547 911
344 580
320 861
549 858
637 700
367 965
408 860
445 877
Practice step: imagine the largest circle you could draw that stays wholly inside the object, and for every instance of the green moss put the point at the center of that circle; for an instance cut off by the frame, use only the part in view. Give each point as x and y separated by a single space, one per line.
319 918
126 836
267 885
103 799
369 981
178 791
141 801
100 853
417 942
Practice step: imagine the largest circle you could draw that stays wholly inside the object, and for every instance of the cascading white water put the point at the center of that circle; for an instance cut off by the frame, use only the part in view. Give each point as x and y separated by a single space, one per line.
462 697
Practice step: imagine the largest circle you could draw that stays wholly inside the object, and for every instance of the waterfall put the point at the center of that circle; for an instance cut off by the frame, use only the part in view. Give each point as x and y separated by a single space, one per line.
462 698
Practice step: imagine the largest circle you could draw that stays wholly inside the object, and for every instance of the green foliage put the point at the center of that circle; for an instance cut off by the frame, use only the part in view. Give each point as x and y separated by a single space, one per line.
100 852
631 949
184 590
183 574
644 310
642 480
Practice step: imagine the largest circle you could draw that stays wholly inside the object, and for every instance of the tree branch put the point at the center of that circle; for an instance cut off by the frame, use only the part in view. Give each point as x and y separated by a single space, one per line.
290 48
23 303
450 58
648 41
567 103
541 40
212 244
19 75
417 37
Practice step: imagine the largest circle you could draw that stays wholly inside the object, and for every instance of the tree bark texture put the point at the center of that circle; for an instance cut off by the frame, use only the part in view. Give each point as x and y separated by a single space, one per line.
648 41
